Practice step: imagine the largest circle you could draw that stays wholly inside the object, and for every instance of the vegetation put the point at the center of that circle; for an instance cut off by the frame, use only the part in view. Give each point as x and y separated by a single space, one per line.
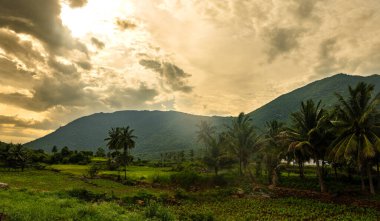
330 150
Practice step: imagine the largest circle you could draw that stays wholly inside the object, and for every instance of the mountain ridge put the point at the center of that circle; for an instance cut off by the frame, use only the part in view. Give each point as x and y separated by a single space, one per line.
165 131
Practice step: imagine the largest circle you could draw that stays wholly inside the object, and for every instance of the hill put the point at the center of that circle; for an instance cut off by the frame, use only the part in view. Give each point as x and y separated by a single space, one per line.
165 131
324 90
157 131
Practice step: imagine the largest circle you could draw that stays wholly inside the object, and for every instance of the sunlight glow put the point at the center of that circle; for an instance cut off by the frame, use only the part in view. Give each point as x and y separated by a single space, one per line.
97 17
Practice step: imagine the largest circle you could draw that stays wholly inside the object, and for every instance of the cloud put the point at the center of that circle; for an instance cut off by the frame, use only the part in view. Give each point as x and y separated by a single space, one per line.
22 49
327 57
282 41
77 3
13 74
17 122
171 75
125 24
40 19
99 44
304 9
131 98
50 92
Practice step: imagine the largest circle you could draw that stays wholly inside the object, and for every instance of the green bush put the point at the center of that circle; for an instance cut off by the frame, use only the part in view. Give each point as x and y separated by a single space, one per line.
142 196
154 210
202 216
86 195
186 179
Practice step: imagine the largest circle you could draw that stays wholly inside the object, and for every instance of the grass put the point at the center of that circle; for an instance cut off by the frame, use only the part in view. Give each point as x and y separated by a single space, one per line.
26 206
43 195
48 181
133 172
30 206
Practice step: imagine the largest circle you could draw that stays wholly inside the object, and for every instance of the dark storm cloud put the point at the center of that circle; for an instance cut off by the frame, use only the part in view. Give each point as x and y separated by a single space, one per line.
77 3
22 123
282 41
171 75
62 68
40 19
23 50
124 24
11 74
50 92
98 43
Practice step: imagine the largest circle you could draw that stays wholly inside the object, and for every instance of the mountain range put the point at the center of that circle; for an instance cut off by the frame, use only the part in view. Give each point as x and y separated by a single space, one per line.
167 131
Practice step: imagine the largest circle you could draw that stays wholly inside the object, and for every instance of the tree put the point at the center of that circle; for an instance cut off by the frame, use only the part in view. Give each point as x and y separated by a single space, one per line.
121 139
307 132
54 149
274 149
357 124
127 142
18 156
216 155
243 140
100 152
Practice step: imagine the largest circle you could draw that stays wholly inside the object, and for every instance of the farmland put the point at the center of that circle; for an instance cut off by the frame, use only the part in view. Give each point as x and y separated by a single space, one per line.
61 192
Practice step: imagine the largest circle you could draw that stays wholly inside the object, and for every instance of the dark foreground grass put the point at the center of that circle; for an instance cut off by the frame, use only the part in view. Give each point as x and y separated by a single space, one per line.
24 205
32 206
47 195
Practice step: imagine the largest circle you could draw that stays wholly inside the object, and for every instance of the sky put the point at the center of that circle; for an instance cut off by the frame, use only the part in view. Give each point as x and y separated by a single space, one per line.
63 59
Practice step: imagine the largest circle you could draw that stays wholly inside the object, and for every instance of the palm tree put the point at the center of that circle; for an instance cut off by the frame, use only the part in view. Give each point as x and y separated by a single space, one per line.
357 123
121 139
213 144
243 140
307 132
126 142
274 148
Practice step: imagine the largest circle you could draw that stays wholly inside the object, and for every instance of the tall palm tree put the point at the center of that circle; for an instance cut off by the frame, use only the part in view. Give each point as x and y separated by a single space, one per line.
358 123
307 132
274 148
243 140
121 139
126 142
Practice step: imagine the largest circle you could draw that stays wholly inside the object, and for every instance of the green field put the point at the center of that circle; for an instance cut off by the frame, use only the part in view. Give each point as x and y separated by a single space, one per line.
48 195
133 172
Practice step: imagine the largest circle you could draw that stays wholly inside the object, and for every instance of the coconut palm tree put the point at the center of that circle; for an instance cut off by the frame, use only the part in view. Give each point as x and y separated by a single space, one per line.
357 123
307 132
274 149
243 140
121 139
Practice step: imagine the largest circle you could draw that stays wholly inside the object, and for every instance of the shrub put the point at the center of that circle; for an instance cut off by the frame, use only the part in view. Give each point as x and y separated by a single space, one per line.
93 170
154 210
186 179
181 194
143 196
202 216
86 195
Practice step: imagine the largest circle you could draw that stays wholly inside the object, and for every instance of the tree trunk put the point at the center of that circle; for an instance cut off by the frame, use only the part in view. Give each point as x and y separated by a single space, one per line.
362 178
336 173
320 177
378 174
300 166
216 170
274 177
240 165
369 173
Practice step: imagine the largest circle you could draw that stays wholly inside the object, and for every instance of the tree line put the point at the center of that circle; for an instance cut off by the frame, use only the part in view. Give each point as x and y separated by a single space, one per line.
346 135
